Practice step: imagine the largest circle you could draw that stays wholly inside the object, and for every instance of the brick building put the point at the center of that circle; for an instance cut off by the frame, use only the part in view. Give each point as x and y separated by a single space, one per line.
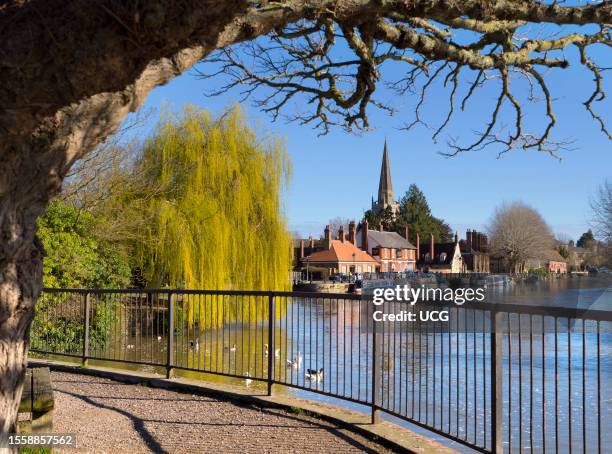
392 251
440 257
475 252
339 256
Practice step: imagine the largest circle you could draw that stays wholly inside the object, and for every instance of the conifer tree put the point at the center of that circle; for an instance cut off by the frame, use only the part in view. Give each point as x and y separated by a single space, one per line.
415 212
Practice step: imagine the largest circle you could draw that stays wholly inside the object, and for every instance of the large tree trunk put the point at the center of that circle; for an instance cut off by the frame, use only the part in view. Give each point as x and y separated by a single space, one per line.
24 195
80 95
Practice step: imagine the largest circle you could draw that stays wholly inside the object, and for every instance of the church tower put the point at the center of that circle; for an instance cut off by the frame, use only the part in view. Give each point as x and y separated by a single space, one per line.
385 187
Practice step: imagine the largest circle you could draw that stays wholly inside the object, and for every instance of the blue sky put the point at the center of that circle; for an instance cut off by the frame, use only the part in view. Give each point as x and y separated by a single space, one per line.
336 175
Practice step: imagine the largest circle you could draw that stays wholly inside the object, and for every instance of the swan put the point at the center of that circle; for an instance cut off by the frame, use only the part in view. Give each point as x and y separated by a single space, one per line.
276 352
232 348
296 362
248 381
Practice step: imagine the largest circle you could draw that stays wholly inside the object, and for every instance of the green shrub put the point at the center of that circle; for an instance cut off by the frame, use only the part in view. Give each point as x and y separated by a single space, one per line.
75 257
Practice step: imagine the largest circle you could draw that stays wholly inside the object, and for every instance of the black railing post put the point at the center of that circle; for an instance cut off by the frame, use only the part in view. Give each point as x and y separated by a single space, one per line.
497 409
271 343
375 416
85 330
170 356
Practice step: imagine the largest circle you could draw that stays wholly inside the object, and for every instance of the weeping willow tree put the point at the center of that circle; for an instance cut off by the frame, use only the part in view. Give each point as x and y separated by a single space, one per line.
214 205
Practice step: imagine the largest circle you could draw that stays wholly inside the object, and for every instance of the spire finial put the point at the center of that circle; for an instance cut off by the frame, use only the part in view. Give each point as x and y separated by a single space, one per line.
385 188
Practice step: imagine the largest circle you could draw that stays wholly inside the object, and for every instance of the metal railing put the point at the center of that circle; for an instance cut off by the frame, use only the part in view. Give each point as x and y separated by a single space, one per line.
493 377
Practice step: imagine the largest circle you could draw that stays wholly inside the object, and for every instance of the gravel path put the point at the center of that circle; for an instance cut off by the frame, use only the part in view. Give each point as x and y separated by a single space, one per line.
112 417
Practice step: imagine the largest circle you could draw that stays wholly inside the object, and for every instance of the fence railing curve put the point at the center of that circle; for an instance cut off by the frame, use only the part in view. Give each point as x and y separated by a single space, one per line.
493 377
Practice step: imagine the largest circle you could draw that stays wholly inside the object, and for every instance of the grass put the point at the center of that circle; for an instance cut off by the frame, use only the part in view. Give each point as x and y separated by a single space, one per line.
35 451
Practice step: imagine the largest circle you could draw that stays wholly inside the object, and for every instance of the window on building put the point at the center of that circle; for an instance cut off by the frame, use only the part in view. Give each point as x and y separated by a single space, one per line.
443 256
375 251
398 252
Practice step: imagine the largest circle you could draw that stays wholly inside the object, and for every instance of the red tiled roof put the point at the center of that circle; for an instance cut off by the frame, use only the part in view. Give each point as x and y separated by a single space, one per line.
341 252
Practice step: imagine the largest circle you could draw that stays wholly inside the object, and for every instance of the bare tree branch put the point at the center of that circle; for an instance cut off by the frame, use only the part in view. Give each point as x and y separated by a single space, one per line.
334 62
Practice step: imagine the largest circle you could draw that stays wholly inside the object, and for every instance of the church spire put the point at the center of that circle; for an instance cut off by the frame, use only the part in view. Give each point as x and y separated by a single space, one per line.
385 188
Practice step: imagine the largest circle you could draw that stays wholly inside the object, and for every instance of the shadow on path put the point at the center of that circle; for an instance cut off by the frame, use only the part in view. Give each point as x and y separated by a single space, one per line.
152 443
137 423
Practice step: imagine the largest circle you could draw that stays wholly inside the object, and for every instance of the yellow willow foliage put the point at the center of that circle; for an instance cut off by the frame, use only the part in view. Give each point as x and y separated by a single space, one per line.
216 220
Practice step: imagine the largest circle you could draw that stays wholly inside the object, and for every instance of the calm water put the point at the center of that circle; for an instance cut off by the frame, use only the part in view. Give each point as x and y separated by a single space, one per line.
437 374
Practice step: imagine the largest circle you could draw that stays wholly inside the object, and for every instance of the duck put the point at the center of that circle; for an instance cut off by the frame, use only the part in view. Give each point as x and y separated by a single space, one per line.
232 348
130 346
248 381
276 352
314 375
159 338
296 362
195 344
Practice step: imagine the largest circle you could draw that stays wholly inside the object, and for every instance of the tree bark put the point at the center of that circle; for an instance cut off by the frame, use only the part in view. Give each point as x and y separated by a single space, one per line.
23 200
44 129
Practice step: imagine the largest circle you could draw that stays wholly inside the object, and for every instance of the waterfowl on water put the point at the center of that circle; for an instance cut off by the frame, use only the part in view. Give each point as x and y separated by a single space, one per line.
195 344
276 352
248 381
296 362
314 375
231 348
159 338
130 346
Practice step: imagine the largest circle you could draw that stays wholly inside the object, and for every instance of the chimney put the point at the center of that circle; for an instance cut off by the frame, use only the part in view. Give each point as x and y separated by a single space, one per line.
301 249
352 232
478 240
328 238
418 246
405 232
364 235
311 245
431 246
341 233
468 239
485 243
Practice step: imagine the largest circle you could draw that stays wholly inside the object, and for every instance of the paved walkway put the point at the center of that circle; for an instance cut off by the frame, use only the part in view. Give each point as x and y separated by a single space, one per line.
113 417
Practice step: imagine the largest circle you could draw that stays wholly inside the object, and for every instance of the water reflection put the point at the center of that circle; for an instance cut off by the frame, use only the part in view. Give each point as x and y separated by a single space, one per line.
556 371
